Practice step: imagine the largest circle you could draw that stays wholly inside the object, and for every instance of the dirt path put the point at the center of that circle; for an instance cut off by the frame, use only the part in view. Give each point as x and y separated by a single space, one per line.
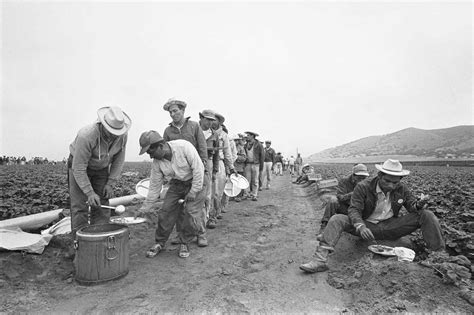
250 265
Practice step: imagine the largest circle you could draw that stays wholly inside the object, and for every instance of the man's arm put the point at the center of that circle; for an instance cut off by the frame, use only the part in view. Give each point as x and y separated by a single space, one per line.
117 163
81 156
357 207
344 191
226 150
262 156
195 163
201 145
154 190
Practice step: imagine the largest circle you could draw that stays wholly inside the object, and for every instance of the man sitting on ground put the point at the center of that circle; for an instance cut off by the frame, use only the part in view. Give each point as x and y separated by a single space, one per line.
305 172
374 215
341 202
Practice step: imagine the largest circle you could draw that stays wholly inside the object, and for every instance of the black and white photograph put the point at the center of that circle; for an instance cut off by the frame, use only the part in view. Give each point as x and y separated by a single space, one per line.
236 157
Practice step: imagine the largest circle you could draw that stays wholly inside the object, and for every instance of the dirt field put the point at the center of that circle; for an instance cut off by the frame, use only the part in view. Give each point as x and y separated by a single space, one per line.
250 266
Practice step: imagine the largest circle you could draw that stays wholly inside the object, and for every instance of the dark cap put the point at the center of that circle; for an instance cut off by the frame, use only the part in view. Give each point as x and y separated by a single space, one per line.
147 139
220 118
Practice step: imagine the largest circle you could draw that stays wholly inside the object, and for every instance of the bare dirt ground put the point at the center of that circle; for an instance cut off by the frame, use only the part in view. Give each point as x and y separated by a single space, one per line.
250 266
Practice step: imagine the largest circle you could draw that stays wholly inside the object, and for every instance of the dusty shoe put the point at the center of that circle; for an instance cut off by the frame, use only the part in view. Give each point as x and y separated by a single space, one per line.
183 251
219 216
254 198
154 250
211 224
314 266
237 199
202 241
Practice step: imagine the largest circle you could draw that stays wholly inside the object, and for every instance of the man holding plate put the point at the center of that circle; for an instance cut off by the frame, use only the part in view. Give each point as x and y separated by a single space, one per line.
374 215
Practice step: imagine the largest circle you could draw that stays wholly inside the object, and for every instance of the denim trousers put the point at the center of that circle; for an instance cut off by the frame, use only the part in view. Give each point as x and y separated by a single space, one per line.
79 207
252 172
390 229
332 207
267 173
189 215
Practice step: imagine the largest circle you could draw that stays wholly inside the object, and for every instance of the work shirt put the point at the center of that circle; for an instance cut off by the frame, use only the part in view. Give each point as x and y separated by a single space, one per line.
185 165
383 207
91 150
269 155
212 151
190 131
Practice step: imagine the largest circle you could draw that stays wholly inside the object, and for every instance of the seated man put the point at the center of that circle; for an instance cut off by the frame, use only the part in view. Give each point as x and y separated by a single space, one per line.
305 171
340 203
374 215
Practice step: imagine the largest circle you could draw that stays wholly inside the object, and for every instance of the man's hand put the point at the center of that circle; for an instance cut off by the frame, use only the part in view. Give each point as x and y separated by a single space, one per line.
422 201
366 233
93 200
108 191
191 196
232 171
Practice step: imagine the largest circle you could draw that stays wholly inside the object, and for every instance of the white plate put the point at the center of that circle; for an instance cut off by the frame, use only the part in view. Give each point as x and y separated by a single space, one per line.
382 250
127 220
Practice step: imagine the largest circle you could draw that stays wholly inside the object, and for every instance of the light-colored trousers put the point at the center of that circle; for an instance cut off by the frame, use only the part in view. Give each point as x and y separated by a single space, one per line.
267 173
252 172
219 186
278 168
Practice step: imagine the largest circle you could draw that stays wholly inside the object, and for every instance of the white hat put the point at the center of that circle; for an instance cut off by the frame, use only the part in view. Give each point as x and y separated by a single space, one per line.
114 120
392 167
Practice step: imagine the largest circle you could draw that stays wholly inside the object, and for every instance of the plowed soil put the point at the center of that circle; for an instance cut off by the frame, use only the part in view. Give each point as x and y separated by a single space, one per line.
250 266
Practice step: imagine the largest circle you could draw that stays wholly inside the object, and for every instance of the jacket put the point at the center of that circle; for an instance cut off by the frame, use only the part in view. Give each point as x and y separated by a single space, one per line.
269 155
258 154
192 132
364 200
91 150
344 193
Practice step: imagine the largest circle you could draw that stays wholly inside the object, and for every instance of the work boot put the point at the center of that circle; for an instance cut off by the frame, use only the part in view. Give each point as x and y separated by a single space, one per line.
183 251
219 216
202 241
320 258
314 266
211 224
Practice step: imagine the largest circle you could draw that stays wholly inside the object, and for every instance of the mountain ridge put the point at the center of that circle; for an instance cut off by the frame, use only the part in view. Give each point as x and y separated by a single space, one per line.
414 143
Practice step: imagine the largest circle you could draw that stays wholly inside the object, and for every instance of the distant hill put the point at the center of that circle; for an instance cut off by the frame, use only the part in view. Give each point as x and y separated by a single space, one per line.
407 144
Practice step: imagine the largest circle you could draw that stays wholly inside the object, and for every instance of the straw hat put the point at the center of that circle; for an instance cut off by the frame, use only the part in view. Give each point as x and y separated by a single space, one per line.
252 133
114 120
392 167
170 102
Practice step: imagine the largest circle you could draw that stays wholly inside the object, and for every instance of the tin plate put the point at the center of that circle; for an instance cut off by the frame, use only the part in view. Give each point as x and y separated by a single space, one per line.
127 220
382 250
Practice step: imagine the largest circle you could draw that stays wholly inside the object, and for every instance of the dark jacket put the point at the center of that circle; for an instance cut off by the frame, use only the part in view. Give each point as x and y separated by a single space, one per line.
192 132
269 155
344 193
258 154
364 200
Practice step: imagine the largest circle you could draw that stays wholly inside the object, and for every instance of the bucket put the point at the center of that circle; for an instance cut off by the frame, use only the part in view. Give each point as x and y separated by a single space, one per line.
102 253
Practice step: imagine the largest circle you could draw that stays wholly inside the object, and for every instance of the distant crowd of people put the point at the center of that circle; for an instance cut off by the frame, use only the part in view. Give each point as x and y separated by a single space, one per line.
197 159
21 160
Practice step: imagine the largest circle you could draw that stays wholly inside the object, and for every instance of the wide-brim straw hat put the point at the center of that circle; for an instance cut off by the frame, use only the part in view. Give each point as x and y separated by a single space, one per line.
114 120
392 167
252 133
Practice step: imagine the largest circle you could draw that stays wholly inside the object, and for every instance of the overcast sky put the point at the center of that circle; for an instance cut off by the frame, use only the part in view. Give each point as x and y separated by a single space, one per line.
306 75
